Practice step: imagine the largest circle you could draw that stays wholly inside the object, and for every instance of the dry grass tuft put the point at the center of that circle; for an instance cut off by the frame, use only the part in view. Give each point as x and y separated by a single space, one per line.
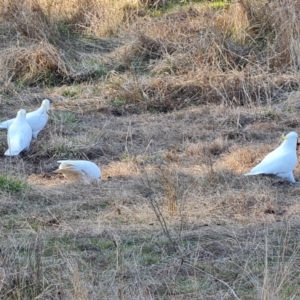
44 51
29 65
169 92
28 18
235 21
194 61
241 160
103 17
170 182
284 53
40 19
40 63
214 148
121 170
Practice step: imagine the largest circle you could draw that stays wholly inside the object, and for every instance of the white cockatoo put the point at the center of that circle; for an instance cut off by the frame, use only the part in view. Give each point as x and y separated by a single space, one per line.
36 119
19 134
79 170
281 161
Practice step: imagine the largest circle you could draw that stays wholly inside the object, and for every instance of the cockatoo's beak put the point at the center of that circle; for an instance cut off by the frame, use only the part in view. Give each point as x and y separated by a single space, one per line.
45 106
284 137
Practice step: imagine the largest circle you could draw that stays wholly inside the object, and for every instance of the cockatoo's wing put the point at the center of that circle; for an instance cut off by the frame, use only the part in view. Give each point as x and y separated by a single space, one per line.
6 124
19 136
37 121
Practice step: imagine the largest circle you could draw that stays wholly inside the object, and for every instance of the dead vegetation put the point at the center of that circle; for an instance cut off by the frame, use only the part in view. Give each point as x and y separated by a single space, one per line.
209 56
175 101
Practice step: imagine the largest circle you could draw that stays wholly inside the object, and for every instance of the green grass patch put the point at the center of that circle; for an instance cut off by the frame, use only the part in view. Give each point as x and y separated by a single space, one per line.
178 4
12 184
218 4
118 102
11 224
65 117
70 92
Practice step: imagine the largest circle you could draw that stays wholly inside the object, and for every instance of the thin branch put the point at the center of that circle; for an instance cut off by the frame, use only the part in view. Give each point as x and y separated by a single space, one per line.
156 209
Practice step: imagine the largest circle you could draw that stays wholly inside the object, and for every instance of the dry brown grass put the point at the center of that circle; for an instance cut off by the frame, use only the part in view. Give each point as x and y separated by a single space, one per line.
43 42
37 19
190 99
35 63
198 56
